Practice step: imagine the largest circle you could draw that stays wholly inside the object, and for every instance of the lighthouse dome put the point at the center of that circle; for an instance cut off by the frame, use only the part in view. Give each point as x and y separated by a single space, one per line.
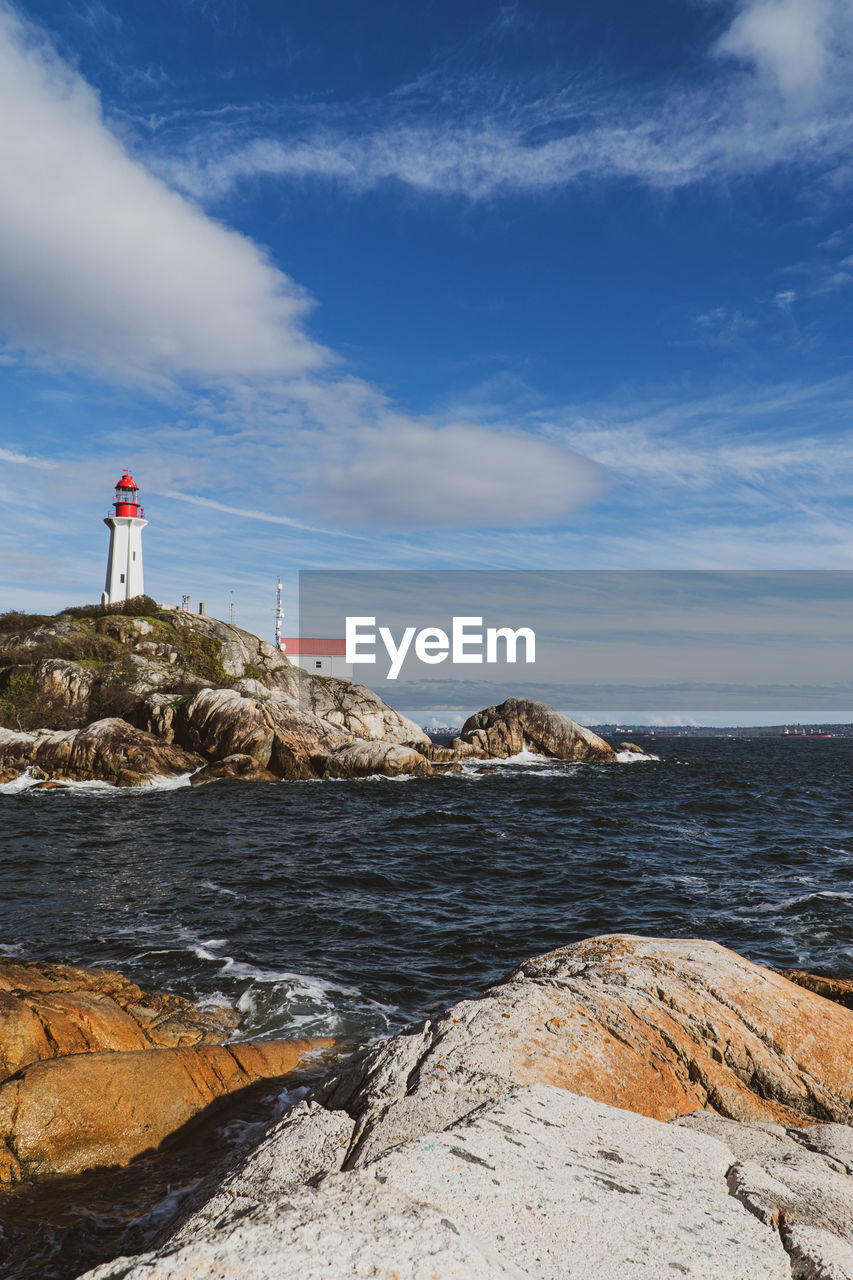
127 481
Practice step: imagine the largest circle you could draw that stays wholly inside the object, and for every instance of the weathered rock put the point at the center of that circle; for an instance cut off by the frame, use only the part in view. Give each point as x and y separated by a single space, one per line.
306 1144
838 989
285 738
50 1010
240 653
45 633
124 629
235 768
111 750
89 1110
793 1181
539 1183
156 714
359 759
632 747
519 723
59 683
661 1027
358 711
277 734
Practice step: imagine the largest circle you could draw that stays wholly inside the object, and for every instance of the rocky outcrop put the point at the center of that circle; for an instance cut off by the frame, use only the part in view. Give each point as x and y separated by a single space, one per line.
240 652
518 723
272 730
154 685
59 683
51 1010
486 1143
358 711
70 1114
656 1026
284 737
358 759
234 768
838 989
110 750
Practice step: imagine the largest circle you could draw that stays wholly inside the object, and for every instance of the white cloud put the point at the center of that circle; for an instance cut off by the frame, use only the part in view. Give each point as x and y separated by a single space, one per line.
102 265
25 460
792 43
407 475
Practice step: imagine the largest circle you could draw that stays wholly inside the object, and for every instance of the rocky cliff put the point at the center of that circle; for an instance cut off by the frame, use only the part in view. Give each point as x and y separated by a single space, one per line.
124 699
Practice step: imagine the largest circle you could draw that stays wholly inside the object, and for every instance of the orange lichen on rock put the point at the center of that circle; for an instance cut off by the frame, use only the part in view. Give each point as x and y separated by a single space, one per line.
88 1110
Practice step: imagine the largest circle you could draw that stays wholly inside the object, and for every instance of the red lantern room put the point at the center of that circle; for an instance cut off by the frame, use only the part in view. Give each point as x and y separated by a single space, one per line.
127 493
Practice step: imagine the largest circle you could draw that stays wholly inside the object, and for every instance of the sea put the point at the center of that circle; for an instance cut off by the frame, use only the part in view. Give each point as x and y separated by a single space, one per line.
353 908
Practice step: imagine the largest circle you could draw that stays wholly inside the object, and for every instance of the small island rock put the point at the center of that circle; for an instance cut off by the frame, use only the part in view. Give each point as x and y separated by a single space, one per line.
520 724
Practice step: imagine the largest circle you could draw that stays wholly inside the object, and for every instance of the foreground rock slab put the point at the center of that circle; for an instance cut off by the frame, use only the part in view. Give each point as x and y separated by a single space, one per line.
485 1143
538 1183
89 1110
50 1010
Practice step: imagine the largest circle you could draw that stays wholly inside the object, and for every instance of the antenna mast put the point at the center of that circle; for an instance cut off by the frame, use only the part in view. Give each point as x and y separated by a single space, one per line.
279 614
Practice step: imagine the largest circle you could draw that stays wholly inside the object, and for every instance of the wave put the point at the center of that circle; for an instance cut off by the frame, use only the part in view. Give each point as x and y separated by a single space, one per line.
28 781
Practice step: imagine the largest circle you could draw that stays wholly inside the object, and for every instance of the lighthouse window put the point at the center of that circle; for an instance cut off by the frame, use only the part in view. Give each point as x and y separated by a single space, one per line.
134 555
121 577
318 664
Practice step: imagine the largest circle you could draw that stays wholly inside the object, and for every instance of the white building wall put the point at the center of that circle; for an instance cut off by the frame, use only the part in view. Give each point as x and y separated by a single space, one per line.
322 664
124 562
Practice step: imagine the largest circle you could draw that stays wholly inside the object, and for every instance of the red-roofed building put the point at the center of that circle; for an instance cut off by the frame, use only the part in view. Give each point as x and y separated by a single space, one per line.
318 654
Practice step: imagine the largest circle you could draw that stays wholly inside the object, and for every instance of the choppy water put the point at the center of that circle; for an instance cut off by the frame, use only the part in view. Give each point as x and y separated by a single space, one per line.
351 908
354 907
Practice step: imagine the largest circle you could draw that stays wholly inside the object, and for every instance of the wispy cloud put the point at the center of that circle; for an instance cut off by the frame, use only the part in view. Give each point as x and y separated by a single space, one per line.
266 517
775 90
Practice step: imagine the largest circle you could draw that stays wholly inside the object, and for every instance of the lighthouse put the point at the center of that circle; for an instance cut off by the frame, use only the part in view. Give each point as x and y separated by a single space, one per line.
124 565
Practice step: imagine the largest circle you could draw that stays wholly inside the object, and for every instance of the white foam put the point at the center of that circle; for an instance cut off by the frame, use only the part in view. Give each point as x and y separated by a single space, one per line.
23 782
633 757
219 888
162 783
26 781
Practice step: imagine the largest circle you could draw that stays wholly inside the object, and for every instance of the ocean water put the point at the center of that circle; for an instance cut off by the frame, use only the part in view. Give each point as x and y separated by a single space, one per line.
353 908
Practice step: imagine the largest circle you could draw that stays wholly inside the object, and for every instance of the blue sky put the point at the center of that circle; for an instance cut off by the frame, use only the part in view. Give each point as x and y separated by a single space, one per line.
392 286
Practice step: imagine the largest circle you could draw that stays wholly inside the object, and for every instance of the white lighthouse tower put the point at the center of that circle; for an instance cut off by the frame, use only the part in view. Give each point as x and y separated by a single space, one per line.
124 565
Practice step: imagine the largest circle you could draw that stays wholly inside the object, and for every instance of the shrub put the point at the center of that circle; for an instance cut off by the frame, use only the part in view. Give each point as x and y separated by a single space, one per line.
73 648
24 706
202 655
13 621
137 607
113 696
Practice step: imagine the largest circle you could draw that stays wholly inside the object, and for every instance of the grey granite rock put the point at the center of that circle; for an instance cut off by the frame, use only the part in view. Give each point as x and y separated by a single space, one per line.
538 1183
